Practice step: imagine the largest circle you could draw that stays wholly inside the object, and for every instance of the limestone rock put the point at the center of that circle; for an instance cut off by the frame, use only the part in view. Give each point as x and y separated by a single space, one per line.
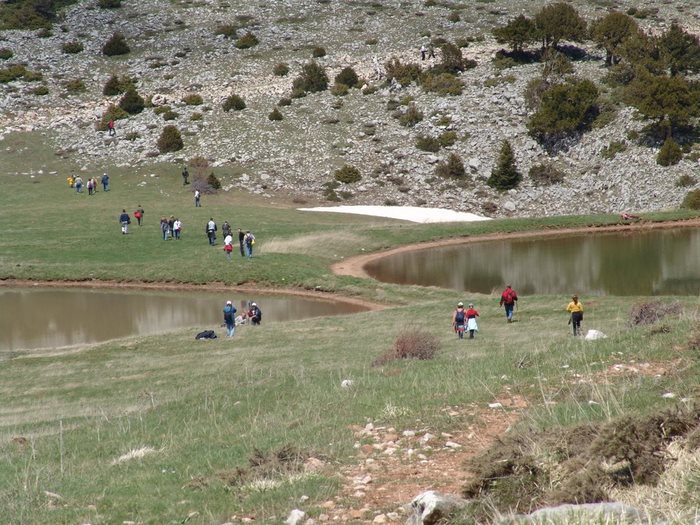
431 507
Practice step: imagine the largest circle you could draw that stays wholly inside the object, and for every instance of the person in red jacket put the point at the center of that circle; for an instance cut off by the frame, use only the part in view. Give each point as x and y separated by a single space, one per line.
508 300
472 314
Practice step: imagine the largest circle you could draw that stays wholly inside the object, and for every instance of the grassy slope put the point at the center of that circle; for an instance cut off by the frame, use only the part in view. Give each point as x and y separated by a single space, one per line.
206 407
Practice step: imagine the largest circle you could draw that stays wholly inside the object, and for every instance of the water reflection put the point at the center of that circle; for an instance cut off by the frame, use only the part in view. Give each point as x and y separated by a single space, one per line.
48 318
657 262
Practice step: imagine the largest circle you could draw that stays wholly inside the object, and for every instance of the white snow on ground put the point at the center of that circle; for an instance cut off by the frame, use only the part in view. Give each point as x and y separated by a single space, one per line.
405 213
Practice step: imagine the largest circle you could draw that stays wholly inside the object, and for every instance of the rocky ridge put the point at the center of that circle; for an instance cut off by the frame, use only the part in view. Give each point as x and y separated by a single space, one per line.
175 51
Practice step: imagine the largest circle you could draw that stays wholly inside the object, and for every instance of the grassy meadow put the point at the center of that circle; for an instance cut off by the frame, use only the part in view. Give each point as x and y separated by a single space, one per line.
166 429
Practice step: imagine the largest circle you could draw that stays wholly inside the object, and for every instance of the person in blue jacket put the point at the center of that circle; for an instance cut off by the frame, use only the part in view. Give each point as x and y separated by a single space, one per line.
230 318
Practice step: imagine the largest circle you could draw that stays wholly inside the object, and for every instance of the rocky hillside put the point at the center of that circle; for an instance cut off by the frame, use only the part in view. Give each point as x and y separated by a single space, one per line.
175 51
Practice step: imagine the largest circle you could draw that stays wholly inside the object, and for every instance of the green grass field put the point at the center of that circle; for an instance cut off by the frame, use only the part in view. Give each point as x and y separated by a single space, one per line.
166 429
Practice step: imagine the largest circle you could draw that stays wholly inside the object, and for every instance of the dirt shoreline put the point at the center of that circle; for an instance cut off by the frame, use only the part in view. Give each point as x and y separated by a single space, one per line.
352 266
355 266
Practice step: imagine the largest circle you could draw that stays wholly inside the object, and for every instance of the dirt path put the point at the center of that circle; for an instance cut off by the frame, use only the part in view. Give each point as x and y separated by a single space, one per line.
355 266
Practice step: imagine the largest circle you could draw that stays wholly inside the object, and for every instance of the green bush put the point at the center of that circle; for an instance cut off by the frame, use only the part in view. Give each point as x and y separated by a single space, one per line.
347 174
117 86
442 84
669 154
447 138
505 175
74 86
410 117
159 110
427 143
348 76
227 30
545 174
32 76
453 167
196 116
213 181
132 136
313 79
132 102
170 140
113 112
116 45
613 149
275 114
233 102
5 53
11 73
403 73
318 52
193 99
40 90
685 180
109 4
453 17
247 41
339 90
281 69
691 200
170 115
73 47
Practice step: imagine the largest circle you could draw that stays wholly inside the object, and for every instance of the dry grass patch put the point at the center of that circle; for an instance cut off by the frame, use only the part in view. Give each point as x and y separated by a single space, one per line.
411 344
316 244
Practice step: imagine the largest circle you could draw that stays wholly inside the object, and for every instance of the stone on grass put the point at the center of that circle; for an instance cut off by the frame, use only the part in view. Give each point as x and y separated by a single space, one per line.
296 517
592 335
617 512
430 508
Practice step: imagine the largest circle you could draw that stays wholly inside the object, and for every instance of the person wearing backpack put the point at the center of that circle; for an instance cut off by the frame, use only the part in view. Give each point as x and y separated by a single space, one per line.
230 318
254 314
459 319
508 300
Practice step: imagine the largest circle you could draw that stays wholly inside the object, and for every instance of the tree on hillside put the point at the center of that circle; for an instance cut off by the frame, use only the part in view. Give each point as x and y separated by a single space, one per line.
313 78
555 66
669 100
505 175
564 109
610 32
680 50
452 60
516 33
557 22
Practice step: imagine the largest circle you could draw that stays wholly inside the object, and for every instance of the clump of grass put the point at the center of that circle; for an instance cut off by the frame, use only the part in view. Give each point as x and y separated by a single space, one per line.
275 115
318 52
73 47
233 102
247 41
649 313
612 149
347 174
193 99
411 344
281 69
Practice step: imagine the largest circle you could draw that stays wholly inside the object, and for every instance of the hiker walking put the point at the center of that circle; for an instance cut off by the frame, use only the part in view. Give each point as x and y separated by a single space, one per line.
226 229
576 310
185 176
230 318
431 51
177 228
241 241
139 214
458 320
508 300
124 220
197 197
423 51
164 228
110 128
472 326
78 182
90 187
105 182
228 245
249 241
211 229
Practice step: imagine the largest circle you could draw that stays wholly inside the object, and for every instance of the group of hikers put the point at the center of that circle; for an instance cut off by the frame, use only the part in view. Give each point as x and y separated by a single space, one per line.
170 227
465 320
125 218
76 181
246 241
253 315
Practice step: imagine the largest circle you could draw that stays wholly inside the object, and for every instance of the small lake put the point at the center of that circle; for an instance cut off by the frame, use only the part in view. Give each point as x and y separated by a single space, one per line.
655 262
32 318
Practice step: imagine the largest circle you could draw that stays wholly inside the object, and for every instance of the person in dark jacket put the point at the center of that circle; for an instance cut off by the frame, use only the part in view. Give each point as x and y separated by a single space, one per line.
254 314
124 220
241 240
230 318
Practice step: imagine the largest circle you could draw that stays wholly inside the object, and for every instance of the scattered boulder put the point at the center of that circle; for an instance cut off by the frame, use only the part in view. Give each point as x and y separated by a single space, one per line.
592 335
431 507
617 512
296 517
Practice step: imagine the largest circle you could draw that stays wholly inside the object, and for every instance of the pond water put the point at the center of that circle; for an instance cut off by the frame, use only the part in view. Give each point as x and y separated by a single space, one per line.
32 318
655 262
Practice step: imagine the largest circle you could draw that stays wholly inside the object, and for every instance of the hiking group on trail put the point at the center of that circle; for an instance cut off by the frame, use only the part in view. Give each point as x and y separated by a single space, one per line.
465 320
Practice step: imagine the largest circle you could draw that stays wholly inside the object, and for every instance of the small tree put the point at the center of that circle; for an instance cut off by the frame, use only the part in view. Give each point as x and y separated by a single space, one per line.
132 102
116 45
453 167
170 140
669 154
516 33
116 85
559 21
505 175
680 50
452 60
691 200
611 31
281 69
213 181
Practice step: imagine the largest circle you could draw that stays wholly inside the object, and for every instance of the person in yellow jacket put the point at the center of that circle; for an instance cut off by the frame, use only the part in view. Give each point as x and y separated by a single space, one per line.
575 307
